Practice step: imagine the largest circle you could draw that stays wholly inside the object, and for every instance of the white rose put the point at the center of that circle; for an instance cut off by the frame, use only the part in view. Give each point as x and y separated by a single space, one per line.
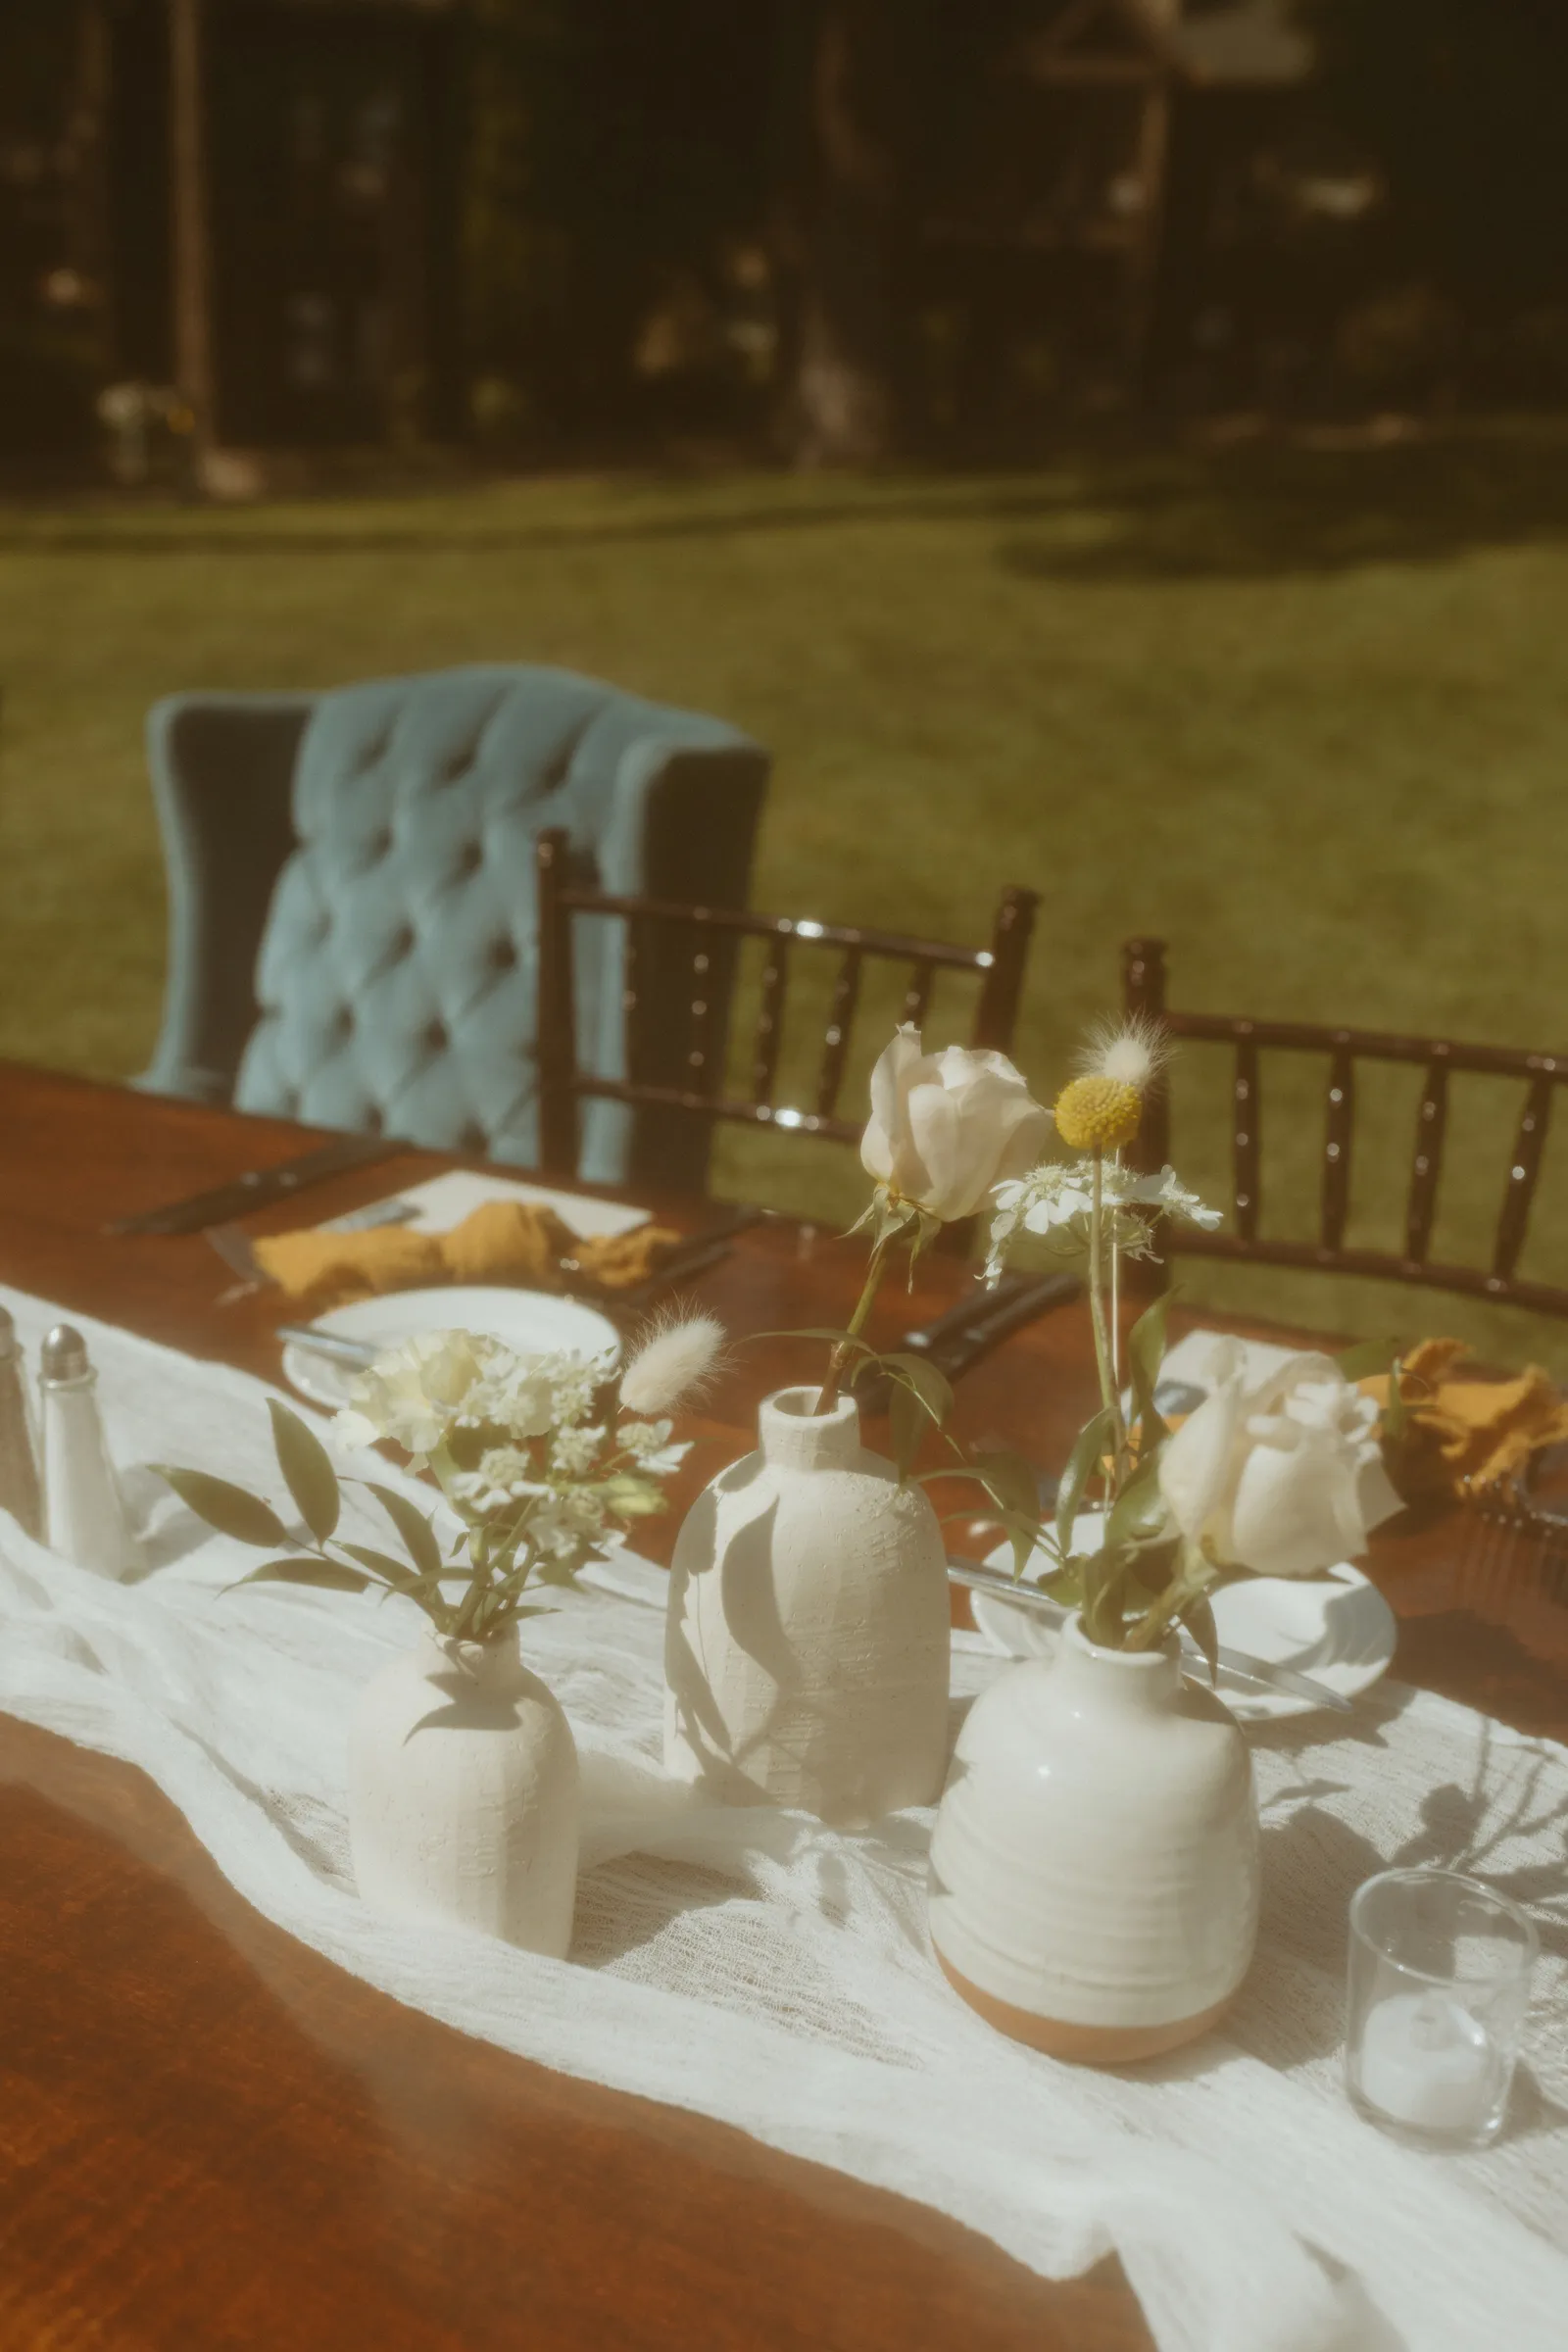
1286 1477
946 1127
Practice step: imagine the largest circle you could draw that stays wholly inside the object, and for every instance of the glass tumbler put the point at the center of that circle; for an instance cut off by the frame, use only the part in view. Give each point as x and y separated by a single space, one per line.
1438 1985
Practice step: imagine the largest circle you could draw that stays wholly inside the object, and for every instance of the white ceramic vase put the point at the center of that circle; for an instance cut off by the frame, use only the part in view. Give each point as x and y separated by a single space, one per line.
1094 1863
806 1641
463 1794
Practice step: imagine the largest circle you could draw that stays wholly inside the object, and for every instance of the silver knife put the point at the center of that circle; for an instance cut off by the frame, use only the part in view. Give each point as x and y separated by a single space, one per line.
1237 1665
259 1188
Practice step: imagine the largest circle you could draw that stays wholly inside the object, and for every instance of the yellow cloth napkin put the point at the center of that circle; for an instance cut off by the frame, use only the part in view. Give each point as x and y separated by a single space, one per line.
1465 1425
501 1241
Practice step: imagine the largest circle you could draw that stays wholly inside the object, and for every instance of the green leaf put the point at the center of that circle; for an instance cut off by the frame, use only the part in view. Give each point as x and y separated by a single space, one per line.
1139 1514
838 1338
416 1530
1153 1564
228 1508
1368 1358
1093 1438
1066 1583
1145 1352
919 1398
329 1575
305 1464
931 1385
1199 1619
1101 1607
908 1423
381 1565
1009 1480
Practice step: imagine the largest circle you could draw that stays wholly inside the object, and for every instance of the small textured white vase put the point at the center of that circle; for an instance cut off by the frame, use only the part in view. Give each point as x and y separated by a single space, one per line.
1094 1863
463 1794
806 1641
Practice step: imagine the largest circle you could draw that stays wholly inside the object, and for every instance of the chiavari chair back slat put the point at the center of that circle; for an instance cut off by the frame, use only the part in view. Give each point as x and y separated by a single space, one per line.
836 1037
1247 1119
693 1080
1346 1050
769 1037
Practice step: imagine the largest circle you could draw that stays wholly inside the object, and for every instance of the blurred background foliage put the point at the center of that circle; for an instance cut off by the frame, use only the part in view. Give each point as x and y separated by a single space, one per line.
817 229
1227 605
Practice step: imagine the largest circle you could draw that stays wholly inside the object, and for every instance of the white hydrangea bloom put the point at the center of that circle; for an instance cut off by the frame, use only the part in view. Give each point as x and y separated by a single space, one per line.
648 1444
575 1451
640 1439
411 1394
563 1523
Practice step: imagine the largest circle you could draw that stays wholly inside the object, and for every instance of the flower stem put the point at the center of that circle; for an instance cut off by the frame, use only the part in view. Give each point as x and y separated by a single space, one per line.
1096 1298
837 1361
1115 1294
1151 1629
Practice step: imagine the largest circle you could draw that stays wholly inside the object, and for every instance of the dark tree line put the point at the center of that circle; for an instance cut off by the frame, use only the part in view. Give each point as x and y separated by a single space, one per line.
722 203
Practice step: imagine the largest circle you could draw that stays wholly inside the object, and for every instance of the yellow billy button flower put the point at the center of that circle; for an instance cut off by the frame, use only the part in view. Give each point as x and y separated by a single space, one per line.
1096 1114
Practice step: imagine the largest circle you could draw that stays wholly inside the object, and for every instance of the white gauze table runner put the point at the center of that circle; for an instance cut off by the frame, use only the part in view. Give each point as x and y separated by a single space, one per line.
755 1966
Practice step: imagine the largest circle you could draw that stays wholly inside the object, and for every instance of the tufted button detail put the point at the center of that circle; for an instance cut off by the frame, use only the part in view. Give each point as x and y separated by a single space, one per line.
375 1121
402 943
504 954
470 857
437 1037
343 1020
380 843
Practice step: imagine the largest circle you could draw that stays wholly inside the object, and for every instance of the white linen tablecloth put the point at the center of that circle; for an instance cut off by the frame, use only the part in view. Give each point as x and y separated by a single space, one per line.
755 1966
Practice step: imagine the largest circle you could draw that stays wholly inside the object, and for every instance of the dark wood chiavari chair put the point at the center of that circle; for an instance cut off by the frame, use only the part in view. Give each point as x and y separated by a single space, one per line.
1541 1075
692 1084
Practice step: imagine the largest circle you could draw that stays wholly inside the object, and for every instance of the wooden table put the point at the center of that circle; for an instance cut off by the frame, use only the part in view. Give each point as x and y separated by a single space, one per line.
210 2137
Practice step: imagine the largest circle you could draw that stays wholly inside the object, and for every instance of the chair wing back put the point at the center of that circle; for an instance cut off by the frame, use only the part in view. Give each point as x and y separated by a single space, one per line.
223 776
396 980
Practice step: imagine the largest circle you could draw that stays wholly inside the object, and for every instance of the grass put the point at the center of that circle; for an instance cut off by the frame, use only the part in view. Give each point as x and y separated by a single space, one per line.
1302 712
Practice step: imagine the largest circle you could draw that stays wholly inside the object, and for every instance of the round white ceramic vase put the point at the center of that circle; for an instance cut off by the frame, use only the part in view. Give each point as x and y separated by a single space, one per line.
1094 1863
807 1642
463 1794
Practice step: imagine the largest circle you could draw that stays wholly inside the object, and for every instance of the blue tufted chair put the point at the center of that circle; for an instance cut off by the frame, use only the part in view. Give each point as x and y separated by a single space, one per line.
352 924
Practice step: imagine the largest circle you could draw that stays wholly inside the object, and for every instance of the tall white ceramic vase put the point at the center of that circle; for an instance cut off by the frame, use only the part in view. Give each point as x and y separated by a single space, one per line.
807 1642
463 1794
1094 1863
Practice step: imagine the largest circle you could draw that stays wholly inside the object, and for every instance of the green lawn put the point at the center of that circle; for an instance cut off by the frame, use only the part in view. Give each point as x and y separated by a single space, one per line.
1305 713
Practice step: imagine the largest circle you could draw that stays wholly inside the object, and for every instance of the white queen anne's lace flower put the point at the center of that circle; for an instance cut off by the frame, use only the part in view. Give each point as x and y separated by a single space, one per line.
529 1396
1057 1197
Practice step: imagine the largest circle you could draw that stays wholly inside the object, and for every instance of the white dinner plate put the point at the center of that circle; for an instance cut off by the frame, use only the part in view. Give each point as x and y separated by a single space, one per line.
1337 1628
533 1322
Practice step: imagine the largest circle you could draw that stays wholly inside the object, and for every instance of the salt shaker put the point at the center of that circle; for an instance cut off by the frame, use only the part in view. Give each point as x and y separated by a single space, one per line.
19 1492
84 1512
